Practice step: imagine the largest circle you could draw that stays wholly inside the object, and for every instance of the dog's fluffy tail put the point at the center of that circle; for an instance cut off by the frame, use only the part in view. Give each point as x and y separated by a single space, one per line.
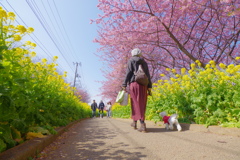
174 116
175 120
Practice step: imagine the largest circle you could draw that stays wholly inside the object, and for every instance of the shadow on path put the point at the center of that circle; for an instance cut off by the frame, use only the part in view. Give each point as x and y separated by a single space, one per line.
96 141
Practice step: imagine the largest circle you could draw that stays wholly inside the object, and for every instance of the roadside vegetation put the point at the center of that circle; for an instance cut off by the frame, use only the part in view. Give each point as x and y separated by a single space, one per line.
34 98
209 96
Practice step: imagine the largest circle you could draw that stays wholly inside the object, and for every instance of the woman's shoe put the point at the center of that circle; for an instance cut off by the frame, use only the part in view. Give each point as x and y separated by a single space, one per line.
142 128
134 125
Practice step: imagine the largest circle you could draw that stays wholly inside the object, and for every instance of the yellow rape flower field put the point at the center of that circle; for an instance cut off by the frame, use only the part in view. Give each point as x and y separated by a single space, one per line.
34 98
209 95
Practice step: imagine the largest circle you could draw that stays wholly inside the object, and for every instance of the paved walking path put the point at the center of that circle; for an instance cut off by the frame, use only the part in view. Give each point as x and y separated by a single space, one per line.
114 139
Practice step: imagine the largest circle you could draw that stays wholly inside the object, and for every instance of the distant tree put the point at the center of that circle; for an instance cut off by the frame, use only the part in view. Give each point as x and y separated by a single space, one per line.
84 95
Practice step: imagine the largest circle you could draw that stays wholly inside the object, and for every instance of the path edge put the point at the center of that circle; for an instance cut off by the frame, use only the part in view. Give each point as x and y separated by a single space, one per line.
33 147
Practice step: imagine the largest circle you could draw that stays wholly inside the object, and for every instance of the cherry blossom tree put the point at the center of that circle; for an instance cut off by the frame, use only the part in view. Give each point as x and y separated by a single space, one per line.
171 33
83 94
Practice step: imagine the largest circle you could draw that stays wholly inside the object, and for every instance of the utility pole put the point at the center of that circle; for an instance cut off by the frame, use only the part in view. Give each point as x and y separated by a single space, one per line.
76 74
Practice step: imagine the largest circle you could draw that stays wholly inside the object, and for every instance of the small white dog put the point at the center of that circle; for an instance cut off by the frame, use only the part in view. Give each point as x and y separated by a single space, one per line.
169 121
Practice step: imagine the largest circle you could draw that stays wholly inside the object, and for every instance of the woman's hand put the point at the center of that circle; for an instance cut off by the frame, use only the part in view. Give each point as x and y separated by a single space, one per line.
124 88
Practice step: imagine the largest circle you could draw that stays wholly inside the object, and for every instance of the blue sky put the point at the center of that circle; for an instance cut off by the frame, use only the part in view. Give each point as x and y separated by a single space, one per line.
63 29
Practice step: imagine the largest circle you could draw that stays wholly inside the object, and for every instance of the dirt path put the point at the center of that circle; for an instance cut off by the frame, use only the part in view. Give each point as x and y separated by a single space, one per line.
114 139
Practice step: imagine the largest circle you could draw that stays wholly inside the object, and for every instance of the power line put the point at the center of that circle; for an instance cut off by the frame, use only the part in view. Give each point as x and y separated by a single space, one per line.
43 21
61 24
48 33
71 46
44 49
60 44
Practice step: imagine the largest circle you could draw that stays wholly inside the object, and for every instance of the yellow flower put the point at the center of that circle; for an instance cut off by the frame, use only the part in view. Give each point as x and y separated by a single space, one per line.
162 75
221 65
33 54
38 64
51 65
237 67
213 65
197 61
55 73
11 15
217 73
183 70
202 73
174 70
222 74
229 71
167 69
211 62
185 77
190 71
209 70
11 26
208 66
193 65
17 37
21 29
26 51
231 66
237 58
65 74
30 30
44 60
209 76
55 58
5 28
33 44
19 50
172 79
3 13
28 43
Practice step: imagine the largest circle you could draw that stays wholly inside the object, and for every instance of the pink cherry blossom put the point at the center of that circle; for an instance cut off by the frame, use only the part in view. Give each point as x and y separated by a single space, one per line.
172 34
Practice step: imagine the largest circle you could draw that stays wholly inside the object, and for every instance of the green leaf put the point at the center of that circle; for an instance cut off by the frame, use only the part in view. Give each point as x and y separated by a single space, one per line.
7 110
3 47
6 135
21 81
236 112
3 146
1 66
219 113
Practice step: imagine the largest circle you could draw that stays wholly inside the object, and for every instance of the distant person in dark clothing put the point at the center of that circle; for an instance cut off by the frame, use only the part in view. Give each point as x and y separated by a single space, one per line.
100 109
138 92
94 107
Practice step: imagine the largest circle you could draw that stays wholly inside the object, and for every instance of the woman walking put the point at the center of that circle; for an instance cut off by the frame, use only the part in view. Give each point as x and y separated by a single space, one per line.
108 108
138 92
